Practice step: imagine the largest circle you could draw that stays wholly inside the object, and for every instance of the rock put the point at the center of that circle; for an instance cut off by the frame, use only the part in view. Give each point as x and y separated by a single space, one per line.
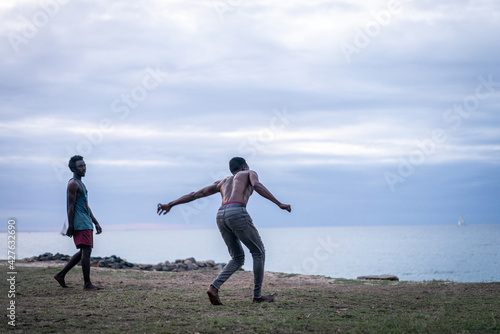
158 267
128 264
170 267
190 265
219 266
116 265
379 278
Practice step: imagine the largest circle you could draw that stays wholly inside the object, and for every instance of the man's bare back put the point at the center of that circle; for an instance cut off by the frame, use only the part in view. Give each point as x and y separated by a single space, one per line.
236 188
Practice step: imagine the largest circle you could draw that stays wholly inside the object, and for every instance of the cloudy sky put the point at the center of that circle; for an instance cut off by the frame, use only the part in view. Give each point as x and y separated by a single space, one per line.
354 112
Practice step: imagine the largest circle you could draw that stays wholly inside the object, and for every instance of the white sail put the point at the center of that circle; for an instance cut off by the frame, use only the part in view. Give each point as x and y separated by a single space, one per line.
461 221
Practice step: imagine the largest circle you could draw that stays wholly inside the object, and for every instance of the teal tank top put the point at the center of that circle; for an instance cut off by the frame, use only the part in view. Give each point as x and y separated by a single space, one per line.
81 219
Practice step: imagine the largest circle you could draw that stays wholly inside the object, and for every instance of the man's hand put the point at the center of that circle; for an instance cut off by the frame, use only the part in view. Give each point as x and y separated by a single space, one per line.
98 228
163 208
286 207
70 231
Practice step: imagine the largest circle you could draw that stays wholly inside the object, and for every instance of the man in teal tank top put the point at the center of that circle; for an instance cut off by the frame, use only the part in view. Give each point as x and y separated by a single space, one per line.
80 224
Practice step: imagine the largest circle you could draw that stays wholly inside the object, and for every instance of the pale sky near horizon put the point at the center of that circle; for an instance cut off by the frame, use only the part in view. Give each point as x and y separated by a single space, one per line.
353 112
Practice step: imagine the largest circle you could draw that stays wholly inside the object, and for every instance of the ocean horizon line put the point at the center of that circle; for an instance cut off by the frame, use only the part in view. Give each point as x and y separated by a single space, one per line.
170 227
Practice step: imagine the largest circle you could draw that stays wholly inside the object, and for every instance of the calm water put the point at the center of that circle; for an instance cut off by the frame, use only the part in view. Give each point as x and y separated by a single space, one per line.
414 253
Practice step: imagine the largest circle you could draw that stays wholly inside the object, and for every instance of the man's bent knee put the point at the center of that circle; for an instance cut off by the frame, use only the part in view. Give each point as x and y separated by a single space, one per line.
259 253
240 260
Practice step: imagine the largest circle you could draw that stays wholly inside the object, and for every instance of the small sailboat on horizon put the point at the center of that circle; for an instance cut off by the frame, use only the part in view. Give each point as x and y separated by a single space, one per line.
461 221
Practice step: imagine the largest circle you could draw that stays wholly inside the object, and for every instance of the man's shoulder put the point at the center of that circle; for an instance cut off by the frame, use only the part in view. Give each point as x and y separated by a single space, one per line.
243 174
73 184
223 181
251 172
227 178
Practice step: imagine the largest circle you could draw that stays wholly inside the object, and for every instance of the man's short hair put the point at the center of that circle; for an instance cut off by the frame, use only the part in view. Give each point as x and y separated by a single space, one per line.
72 162
236 164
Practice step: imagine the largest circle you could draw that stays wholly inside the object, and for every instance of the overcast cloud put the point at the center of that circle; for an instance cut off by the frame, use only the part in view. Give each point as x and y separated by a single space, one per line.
354 112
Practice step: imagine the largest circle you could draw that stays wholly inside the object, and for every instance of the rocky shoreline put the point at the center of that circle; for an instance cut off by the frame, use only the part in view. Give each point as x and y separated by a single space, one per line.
189 264
115 262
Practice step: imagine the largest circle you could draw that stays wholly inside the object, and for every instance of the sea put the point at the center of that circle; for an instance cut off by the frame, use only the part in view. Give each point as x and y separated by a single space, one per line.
469 253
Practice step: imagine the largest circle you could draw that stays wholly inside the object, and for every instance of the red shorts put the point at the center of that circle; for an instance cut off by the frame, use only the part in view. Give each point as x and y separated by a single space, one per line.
83 237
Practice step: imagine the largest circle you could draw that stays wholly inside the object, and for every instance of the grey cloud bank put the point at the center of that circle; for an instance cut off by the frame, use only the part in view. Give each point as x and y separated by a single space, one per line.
158 96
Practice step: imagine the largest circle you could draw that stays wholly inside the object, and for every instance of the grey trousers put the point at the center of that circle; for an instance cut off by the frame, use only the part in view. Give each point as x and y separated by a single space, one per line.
236 227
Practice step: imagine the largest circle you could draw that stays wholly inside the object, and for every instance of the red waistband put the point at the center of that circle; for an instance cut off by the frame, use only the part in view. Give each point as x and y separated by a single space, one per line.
234 203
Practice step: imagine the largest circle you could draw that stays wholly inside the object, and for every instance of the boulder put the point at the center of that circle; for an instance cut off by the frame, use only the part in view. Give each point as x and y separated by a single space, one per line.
219 266
201 264
158 267
190 265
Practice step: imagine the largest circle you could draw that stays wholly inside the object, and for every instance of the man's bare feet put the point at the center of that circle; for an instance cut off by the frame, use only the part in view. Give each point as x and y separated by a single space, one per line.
60 280
213 295
91 287
264 299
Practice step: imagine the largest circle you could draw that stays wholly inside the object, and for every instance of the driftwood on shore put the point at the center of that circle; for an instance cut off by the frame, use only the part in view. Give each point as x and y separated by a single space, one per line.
378 278
116 262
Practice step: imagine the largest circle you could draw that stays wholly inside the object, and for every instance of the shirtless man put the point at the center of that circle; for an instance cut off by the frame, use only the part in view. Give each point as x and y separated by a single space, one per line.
80 220
235 224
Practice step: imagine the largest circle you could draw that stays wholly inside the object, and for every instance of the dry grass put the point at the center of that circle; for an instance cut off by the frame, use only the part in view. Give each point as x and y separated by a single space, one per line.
165 302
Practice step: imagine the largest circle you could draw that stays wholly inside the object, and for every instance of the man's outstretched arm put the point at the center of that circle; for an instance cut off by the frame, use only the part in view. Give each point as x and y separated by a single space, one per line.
264 192
204 192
